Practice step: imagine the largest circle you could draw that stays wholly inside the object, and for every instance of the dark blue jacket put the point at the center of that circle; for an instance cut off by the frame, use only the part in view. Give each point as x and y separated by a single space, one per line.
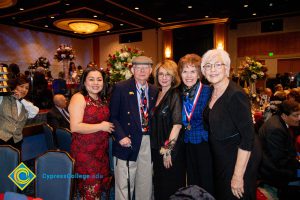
125 115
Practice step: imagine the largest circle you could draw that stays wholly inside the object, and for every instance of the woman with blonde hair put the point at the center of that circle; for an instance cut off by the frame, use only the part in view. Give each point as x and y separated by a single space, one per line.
166 143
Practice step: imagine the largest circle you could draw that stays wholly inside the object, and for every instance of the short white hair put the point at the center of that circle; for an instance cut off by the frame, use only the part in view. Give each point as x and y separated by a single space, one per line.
215 55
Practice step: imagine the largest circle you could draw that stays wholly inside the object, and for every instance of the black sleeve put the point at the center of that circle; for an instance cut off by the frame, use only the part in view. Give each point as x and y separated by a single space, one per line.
176 108
240 113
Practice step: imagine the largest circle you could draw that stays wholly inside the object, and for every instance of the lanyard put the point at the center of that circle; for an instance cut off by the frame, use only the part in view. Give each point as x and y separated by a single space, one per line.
189 115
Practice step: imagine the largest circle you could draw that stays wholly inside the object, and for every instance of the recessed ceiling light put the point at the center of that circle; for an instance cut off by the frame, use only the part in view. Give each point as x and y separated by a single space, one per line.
190 6
159 18
206 16
52 17
271 4
67 4
137 8
21 8
107 31
246 6
46 26
121 24
95 16
254 14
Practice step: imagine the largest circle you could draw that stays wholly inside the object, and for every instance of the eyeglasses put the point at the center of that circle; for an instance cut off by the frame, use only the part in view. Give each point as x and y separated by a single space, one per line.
209 66
164 75
140 68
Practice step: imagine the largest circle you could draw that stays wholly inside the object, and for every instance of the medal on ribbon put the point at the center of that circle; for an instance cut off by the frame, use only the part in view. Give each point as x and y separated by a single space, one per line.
190 114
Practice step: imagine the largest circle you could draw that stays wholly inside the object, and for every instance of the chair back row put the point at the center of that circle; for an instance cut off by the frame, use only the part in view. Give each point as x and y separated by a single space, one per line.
60 139
53 171
9 160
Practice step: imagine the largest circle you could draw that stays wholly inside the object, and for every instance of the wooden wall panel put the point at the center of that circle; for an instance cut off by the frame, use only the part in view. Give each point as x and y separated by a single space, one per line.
279 44
288 65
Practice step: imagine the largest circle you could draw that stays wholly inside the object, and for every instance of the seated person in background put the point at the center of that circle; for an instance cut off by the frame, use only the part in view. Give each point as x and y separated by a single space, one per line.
59 85
14 111
294 94
279 163
58 116
41 95
268 92
278 88
275 102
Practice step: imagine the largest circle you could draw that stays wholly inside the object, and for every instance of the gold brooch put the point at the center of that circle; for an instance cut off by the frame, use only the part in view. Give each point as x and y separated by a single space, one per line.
131 93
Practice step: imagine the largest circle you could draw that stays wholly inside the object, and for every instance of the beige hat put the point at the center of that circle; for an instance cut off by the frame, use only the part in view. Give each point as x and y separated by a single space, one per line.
142 60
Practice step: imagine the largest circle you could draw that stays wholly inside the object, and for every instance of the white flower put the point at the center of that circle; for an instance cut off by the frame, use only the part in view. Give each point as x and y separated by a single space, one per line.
118 65
254 76
128 74
124 55
258 64
262 73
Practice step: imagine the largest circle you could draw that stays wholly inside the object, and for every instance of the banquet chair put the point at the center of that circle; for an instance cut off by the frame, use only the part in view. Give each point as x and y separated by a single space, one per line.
48 131
63 138
9 160
58 163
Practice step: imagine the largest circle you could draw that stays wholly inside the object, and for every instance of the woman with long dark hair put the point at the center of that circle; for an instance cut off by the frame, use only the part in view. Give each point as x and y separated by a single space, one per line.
89 124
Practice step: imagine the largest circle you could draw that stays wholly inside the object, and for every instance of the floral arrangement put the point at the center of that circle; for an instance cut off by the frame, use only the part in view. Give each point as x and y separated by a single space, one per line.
120 62
252 70
40 62
64 52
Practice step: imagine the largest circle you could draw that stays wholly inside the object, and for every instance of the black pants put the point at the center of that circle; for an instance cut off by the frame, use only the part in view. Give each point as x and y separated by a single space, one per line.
199 166
11 142
167 181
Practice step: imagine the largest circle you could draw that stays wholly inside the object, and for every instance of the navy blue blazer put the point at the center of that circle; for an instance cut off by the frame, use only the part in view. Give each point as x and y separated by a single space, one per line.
125 115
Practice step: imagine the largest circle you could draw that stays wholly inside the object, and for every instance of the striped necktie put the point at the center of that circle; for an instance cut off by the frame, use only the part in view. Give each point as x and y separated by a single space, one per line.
144 111
65 115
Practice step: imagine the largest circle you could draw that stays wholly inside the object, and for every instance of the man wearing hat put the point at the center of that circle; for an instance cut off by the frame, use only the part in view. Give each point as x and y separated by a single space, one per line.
130 106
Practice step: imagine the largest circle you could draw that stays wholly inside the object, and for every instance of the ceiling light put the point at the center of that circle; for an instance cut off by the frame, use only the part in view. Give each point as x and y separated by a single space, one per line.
206 16
67 4
107 31
190 6
83 27
21 8
121 24
52 17
46 26
159 18
246 5
7 3
271 4
137 8
95 16
254 14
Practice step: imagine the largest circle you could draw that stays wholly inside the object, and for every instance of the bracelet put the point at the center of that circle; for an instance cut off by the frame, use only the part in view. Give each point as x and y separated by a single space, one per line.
167 148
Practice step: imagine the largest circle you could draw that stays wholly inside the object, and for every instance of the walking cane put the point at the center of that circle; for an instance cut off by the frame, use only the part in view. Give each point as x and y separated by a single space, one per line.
128 180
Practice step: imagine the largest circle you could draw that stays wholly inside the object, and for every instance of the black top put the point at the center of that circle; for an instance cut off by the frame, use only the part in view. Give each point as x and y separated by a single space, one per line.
166 114
231 116
230 128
